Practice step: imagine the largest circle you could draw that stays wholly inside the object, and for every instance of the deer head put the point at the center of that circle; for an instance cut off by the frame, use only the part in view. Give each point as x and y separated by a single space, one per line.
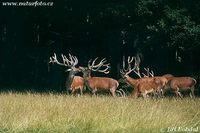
102 67
69 62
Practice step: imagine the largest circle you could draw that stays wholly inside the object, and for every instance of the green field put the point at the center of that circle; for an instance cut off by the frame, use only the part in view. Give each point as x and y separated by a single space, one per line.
28 112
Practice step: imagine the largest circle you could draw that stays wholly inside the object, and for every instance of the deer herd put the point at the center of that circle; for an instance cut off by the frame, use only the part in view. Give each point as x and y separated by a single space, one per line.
144 85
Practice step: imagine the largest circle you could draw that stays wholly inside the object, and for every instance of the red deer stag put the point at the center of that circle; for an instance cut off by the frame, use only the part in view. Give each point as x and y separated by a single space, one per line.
143 85
99 83
74 82
178 84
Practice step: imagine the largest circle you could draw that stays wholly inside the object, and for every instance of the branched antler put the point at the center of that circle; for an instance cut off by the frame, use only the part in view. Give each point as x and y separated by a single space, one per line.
71 62
98 67
148 73
135 69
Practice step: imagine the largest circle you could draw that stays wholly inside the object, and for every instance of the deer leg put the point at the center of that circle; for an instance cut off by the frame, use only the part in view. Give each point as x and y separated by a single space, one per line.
81 90
94 92
73 90
134 93
160 92
178 94
112 90
163 91
154 93
192 92
144 95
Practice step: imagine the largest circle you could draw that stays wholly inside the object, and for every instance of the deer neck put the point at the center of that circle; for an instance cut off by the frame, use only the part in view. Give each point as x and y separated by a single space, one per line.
131 81
69 79
87 77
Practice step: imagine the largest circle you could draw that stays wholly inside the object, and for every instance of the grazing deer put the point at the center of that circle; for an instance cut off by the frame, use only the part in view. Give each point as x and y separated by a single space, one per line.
177 84
143 85
74 82
99 83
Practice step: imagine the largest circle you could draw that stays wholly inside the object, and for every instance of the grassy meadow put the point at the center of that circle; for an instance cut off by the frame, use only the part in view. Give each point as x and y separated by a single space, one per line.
54 113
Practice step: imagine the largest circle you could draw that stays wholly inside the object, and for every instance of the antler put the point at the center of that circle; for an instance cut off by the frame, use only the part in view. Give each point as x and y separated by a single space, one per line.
137 66
151 73
97 67
129 69
148 73
71 62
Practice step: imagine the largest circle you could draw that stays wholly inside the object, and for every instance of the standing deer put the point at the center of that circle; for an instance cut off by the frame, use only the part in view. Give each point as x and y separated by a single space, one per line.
178 84
99 83
143 85
74 82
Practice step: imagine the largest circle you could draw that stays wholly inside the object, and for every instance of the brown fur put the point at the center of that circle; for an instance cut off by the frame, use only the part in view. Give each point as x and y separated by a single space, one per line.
77 83
103 83
144 85
182 83
168 76
164 81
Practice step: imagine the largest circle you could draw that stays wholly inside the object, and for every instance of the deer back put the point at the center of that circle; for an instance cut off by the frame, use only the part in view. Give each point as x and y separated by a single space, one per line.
150 82
102 83
182 82
168 76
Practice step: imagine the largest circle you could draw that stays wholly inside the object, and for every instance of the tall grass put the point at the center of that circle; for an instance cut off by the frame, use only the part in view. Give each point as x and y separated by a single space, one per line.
26 112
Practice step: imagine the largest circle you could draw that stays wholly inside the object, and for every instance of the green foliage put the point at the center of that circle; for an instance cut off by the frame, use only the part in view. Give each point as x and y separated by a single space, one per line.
175 24
116 10
146 7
